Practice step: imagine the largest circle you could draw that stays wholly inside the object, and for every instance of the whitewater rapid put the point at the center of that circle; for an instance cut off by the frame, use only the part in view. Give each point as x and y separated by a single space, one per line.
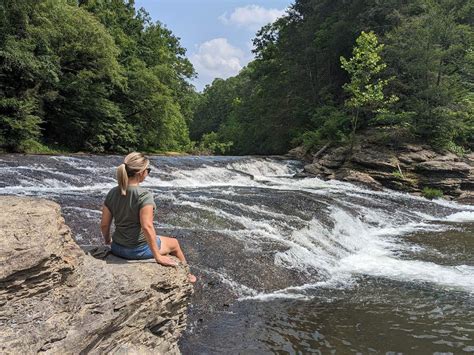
329 231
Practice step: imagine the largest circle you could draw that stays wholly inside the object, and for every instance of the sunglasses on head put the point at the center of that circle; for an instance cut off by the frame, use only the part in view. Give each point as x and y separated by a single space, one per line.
148 170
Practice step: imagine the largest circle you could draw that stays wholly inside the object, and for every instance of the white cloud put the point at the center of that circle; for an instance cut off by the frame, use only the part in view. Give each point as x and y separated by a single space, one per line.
252 17
217 58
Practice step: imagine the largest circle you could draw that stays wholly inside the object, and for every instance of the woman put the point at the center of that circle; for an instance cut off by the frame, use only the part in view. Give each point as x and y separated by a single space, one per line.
132 208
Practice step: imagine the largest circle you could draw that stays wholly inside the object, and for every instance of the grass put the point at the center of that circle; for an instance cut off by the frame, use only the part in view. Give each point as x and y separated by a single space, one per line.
398 175
431 193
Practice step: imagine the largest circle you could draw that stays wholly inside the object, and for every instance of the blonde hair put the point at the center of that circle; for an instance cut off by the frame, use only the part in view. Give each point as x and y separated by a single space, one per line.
132 164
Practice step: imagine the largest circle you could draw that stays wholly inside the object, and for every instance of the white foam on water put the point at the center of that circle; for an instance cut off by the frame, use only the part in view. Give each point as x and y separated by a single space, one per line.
465 216
264 168
75 162
353 247
339 253
301 292
239 289
208 176
451 204
367 242
89 213
51 186
409 270
257 209
281 294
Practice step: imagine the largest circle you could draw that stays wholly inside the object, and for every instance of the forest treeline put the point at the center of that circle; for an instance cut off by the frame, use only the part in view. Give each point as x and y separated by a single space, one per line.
411 72
93 75
100 76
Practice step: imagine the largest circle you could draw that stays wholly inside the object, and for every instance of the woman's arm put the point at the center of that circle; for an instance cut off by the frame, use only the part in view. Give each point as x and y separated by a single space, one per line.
146 221
105 224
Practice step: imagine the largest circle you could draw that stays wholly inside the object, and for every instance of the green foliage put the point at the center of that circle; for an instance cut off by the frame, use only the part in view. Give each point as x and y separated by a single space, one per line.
398 174
284 96
330 126
18 123
431 193
296 72
94 76
430 54
366 88
456 149
33 147
100 76
210 143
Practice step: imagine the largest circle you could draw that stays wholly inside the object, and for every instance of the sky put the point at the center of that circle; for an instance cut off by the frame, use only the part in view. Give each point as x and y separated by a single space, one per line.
217 34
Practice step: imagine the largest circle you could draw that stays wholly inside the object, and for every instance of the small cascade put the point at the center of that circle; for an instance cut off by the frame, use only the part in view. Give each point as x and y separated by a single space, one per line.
331 232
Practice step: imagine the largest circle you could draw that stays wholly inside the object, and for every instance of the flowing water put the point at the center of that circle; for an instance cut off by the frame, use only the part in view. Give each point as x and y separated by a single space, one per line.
288 265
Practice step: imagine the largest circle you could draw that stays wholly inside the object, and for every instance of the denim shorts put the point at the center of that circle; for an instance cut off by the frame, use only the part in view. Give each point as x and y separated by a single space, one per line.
138 253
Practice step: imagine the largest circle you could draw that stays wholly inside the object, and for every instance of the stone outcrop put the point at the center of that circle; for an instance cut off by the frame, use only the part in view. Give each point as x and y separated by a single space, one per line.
55 298
407 167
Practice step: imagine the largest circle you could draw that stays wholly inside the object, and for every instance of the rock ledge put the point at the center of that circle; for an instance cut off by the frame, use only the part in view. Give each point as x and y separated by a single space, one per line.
57 299
406 167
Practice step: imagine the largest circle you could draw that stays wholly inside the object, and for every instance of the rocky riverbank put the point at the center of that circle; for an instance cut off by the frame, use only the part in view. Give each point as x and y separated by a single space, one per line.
56 298
406 167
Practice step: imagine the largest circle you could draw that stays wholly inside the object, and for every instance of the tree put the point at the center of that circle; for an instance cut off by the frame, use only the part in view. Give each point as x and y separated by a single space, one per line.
366 87
22 76
157 100
430 54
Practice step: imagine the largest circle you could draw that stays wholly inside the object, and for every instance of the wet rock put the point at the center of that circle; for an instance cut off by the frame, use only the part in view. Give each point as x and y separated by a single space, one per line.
317 169
406 167
358 177
302 175
57 299
466 197
334 158
299 153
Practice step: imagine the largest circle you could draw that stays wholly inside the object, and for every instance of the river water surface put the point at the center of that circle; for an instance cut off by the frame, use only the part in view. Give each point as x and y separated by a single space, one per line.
288 265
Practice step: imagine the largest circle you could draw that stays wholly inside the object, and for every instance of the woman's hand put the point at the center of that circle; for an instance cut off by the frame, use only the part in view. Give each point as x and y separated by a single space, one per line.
166 261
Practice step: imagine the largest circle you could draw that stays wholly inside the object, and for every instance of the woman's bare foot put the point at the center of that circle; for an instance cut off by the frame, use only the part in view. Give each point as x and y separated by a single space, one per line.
192 278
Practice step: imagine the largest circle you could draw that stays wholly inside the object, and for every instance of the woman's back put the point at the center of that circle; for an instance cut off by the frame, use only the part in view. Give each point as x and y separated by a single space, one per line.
126 213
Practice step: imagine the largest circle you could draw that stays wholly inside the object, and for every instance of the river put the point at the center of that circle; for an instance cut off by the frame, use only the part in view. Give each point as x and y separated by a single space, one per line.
284 264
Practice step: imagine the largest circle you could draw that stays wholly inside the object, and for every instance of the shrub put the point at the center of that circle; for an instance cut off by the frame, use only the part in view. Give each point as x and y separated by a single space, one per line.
431 193
456 149
31 146
210 143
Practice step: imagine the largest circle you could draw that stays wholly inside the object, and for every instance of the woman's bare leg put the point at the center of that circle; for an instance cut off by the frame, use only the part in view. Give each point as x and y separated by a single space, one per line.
171 246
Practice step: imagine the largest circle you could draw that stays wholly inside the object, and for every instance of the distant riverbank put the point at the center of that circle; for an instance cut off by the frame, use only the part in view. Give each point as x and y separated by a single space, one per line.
378 162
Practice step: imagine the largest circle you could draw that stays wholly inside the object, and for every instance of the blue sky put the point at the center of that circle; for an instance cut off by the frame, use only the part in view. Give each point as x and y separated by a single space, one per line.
216 33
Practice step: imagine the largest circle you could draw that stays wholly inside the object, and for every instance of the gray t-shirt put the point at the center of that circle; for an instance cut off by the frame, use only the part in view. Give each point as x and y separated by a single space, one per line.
126 213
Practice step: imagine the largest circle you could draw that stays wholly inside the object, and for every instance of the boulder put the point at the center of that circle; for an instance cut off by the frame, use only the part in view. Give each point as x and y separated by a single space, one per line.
358 177
375 159
299 153
55 298
334 159
406 167
317 169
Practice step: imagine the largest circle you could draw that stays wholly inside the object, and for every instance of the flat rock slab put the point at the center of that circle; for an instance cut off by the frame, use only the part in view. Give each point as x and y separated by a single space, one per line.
55 298
449 168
